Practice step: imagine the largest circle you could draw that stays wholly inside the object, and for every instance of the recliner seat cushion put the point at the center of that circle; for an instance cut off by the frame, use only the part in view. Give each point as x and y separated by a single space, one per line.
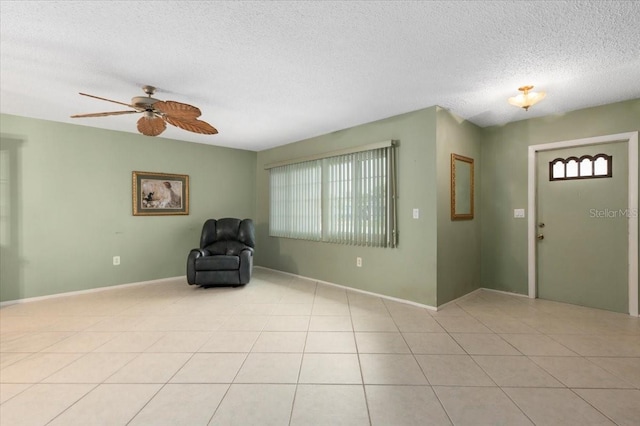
217 263
229 248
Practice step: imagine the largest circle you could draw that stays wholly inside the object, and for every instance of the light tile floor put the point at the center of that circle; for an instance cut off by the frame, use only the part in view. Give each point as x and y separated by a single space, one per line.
288 351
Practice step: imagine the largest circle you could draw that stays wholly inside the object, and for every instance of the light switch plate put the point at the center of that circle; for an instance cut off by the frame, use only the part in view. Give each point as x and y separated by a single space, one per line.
518 213
416 213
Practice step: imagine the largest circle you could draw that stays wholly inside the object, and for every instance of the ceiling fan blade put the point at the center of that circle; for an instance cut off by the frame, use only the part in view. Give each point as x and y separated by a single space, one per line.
193 125
115 102
104 114
177 109
151 126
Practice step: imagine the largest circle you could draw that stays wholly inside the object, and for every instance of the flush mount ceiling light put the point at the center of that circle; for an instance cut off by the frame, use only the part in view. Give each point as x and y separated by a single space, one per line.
526 99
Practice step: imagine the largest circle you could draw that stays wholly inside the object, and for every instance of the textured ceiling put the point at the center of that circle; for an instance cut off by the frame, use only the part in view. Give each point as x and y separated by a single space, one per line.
269 73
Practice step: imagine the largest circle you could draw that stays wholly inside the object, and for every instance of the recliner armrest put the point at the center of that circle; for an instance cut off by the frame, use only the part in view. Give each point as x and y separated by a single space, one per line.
191 264
246 265
246 256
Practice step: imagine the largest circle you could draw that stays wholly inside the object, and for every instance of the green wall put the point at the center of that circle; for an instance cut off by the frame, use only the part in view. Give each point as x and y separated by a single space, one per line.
503 185
69 205
459 240
408 271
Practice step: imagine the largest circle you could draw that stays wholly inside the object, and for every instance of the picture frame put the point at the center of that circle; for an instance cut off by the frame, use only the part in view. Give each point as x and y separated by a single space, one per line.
160 194
462 187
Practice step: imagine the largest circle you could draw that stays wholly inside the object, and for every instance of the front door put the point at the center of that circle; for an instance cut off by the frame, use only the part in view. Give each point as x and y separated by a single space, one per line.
582 228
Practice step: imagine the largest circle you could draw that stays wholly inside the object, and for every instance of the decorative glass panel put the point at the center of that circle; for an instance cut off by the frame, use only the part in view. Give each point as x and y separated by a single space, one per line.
572 168
601 166
586 167
558 169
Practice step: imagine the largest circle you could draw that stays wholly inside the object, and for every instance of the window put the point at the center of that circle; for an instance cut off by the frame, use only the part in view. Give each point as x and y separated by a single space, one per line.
347 197
295 201
585 167
357 198
5 199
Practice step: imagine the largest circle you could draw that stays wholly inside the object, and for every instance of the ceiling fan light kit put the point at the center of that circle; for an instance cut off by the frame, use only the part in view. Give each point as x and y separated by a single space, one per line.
526 99
156 113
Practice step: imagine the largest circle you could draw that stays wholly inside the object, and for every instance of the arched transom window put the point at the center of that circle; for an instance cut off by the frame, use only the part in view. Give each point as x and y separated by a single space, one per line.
585 167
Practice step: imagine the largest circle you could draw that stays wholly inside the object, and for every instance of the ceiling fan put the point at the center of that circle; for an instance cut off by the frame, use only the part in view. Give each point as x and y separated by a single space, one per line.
156 112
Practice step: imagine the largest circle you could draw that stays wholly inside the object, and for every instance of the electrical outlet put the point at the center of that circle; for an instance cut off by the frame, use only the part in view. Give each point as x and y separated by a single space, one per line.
116 260
359 262
518 213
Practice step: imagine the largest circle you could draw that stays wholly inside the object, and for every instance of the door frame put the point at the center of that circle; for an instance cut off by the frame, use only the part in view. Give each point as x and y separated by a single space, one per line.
632 150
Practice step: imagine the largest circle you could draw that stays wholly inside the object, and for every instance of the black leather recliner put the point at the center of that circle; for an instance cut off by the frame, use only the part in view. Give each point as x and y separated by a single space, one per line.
225 256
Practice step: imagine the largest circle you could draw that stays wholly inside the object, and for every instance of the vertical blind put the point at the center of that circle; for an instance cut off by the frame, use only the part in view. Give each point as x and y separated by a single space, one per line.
346 198
296 205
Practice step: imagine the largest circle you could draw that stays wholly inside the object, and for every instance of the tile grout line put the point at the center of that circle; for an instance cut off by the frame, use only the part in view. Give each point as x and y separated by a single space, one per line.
364 389
487 374
444 410
565 386
67 408
306 337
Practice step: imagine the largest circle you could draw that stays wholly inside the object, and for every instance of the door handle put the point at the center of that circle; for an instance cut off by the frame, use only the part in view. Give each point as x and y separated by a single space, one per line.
540 237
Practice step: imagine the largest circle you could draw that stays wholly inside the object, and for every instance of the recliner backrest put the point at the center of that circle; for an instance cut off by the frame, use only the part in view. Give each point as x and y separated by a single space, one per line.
227 229
247 233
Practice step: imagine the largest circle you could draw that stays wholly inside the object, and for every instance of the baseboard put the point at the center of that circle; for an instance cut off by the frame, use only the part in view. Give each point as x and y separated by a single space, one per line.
464 296
395 299
356 290
91 290
508 293
526 296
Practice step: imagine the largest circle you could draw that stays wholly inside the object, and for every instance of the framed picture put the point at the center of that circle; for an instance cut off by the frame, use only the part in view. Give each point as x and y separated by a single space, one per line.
462 187
157 194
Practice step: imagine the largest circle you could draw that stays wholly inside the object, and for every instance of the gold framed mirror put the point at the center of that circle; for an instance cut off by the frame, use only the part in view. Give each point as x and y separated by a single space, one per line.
461 187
